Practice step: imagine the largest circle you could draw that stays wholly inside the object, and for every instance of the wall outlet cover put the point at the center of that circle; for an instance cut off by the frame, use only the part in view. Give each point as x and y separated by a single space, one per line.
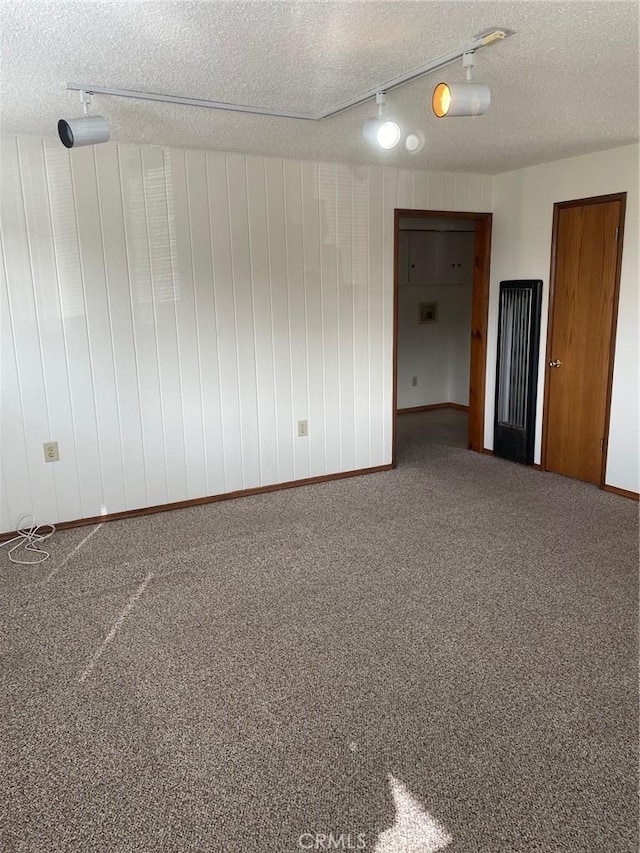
51 453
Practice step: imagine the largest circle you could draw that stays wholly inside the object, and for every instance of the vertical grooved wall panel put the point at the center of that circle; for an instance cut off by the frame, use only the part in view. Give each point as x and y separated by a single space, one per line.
162 219
29 400
344 238
329 292
243 301
313 318
143 309
52 341
225 327
177 298
261 317
297 315
277 247
64 207
360 276
169 316
375 309
120 324
13 446
101 363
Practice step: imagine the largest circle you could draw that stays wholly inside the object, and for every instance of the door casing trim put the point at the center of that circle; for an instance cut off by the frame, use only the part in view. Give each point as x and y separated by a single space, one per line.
479 319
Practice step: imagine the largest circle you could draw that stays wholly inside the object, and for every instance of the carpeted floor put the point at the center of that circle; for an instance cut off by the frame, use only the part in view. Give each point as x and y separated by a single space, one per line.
437 426
452 644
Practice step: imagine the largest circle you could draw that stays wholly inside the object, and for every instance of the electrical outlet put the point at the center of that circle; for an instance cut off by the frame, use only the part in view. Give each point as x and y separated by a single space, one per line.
414 381
303 429
51 451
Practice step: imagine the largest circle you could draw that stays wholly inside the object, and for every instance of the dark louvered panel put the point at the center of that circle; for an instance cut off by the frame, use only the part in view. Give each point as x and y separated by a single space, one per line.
517 369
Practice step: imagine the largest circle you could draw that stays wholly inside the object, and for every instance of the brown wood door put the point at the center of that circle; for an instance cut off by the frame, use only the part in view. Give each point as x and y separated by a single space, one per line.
587 243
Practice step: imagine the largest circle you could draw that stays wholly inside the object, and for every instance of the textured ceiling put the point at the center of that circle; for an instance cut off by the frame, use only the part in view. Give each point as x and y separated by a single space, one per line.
565 84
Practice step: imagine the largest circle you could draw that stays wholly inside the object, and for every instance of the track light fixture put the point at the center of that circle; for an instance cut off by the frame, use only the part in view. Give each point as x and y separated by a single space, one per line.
380 131
461 99
87 130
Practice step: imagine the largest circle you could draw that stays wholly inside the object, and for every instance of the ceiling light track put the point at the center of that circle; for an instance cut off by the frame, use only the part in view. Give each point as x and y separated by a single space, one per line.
188 102
484 39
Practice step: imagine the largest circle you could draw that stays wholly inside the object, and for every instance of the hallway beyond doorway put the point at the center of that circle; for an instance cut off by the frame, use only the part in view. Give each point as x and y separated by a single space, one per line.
449 427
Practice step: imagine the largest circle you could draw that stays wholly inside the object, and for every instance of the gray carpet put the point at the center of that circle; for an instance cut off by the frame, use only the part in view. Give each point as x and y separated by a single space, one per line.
250 675
437 426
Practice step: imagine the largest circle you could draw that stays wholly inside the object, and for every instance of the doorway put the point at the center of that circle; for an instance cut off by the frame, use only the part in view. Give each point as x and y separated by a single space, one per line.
429 263
586 256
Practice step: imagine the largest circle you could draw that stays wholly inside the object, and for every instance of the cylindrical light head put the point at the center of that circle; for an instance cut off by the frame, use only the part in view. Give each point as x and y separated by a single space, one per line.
388 135
87 130
460 99
382 132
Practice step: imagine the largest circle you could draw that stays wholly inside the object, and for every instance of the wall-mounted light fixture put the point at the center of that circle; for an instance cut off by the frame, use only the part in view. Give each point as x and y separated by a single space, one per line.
92 130
461 99
86 130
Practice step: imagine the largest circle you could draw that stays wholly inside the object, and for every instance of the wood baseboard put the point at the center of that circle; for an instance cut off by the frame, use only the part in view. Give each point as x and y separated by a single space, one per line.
227 496
431 407
624 493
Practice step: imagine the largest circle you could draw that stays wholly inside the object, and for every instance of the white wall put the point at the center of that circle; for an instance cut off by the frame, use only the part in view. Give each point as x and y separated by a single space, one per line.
522 227
458 301
168 316
437 354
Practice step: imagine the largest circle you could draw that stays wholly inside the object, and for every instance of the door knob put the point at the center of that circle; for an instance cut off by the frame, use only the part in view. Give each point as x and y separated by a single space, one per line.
555 363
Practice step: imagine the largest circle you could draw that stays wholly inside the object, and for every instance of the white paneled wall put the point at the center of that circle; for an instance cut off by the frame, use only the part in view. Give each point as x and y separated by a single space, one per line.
168 316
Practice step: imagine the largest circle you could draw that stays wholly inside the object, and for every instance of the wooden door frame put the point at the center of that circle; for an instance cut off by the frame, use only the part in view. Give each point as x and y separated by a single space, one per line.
557 207
479 319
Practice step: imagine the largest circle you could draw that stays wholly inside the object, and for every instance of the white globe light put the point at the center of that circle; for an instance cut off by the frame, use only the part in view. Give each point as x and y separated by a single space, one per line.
388 135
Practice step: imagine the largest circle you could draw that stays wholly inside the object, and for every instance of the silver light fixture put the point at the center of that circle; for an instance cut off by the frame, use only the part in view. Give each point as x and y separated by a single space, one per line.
461 99
86 130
